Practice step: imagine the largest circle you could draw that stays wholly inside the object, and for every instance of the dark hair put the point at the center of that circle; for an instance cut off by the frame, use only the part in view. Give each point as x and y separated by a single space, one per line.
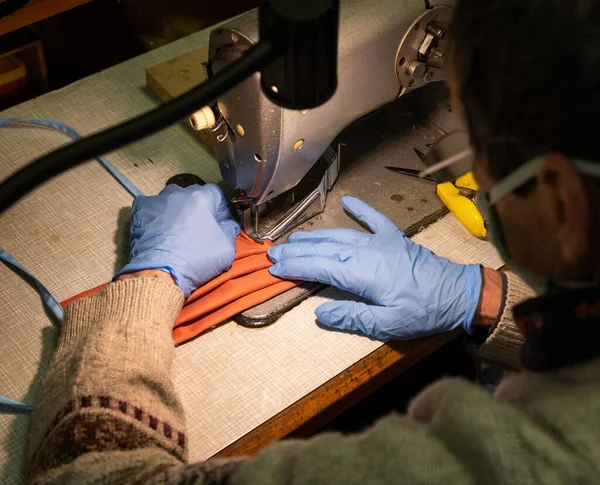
528 76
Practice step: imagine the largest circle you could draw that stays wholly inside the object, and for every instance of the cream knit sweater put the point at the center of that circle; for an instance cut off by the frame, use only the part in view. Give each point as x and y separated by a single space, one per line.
107 412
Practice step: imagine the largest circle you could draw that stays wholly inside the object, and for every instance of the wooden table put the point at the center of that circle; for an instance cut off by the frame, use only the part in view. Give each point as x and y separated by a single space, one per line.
339 394
35 11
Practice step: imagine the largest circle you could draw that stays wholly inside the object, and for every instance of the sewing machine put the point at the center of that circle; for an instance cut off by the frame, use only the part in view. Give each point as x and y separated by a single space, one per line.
281 161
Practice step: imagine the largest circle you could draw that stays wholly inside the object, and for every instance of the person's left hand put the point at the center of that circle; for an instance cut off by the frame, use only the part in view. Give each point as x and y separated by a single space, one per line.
414 292
186 232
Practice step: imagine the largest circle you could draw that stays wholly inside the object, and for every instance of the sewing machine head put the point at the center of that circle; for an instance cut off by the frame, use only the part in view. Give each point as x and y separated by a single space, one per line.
386 49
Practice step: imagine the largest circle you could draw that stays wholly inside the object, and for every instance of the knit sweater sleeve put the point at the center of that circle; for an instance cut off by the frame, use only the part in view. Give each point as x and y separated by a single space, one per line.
504 341
107 410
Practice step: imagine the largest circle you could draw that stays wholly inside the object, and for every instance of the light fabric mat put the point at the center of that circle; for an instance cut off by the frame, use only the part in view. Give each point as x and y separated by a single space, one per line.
72 234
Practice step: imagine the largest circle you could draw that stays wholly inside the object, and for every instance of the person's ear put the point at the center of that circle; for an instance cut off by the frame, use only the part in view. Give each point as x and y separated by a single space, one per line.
564 195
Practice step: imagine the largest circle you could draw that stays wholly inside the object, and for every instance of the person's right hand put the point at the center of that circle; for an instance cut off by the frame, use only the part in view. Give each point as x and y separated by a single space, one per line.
415 293
188 233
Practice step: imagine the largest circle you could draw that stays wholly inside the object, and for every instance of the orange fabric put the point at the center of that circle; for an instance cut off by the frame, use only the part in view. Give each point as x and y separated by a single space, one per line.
247 283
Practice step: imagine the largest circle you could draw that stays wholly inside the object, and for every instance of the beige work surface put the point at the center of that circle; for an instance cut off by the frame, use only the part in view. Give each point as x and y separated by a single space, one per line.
71 234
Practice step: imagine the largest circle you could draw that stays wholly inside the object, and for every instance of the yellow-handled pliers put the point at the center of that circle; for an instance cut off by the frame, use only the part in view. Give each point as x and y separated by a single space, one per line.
462 207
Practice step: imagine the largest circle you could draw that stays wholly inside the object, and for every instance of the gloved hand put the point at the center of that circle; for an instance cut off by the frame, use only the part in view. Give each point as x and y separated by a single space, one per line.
187 232
415 293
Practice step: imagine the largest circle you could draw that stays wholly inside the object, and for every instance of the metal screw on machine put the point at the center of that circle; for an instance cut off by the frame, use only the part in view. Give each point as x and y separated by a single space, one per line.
436 30
416 69
437 52
429 75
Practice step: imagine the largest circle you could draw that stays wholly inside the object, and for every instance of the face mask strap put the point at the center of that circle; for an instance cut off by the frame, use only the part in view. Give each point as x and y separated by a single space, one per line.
589 168
517 178
528 170
448 162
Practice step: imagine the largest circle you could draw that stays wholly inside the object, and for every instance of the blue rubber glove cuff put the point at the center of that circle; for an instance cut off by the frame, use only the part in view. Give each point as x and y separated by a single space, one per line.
153 265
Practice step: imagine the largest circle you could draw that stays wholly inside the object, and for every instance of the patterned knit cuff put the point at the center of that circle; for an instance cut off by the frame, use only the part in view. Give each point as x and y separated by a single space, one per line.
504 341
113 368
136 299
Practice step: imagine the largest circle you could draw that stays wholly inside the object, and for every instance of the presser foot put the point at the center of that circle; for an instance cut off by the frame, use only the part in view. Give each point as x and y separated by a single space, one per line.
259 224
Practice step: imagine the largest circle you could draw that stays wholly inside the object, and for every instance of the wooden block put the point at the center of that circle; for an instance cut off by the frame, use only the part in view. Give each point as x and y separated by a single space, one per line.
177 76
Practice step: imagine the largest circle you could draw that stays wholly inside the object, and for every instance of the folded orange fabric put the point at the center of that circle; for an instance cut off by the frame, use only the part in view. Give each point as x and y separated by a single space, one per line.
247 283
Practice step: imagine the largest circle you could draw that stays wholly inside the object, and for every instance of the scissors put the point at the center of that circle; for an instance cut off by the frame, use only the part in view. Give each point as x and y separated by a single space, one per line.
411 173
462 207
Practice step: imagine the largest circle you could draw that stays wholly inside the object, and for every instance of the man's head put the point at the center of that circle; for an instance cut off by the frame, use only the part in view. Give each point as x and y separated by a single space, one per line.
525 76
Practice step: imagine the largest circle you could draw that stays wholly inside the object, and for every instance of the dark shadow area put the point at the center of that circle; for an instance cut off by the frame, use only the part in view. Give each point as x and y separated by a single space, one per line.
388 124
121 238
86 40
157 22
89 38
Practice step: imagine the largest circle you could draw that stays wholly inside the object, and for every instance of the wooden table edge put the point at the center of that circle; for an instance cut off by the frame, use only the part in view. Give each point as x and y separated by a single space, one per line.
36 11
338 394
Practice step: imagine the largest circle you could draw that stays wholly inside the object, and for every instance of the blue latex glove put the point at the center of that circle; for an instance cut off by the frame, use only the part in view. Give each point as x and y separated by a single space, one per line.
188 232
415 293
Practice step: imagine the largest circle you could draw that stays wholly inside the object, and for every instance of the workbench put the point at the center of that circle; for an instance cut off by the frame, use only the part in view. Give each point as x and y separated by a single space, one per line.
241 388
